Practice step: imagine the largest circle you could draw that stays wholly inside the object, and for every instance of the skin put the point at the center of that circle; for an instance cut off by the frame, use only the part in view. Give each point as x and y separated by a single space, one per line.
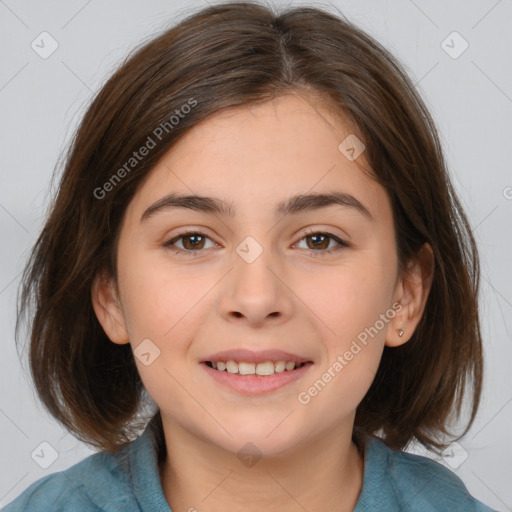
289 298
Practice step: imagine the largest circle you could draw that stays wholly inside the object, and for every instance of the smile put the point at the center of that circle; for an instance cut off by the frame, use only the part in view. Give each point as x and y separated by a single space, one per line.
252 383
263 369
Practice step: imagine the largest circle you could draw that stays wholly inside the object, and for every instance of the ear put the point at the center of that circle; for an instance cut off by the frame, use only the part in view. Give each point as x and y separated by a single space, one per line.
411 293
108 311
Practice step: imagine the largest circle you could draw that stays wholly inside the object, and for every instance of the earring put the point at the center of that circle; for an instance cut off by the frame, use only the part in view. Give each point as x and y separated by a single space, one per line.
400 332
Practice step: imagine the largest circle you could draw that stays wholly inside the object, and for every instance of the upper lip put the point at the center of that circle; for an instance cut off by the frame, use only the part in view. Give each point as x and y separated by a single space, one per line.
249 356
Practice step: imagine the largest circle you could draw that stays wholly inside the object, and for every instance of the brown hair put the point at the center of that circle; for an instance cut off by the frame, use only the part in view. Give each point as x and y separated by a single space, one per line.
226 56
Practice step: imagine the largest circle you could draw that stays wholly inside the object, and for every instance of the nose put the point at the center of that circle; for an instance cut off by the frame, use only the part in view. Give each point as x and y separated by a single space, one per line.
256 292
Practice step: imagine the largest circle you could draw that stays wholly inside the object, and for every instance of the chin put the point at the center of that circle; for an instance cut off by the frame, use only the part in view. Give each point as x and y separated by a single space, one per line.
262 438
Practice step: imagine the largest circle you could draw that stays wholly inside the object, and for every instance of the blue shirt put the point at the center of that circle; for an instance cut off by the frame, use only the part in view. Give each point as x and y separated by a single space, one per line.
129 481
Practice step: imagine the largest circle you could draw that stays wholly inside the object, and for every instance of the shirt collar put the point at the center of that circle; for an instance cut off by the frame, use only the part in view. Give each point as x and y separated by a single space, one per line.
144 471
378 491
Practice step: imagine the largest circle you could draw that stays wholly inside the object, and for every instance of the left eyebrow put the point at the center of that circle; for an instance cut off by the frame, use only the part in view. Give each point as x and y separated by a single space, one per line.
296 204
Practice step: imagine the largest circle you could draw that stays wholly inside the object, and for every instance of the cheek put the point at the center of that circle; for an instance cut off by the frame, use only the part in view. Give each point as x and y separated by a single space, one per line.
156 297
164 310
352 306
351 359
350 298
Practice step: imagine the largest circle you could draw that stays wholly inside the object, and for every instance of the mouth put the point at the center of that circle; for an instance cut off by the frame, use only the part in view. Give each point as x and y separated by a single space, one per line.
250 373
262 369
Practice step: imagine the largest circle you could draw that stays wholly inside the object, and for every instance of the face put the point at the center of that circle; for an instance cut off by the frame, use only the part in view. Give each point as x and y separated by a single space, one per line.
317 283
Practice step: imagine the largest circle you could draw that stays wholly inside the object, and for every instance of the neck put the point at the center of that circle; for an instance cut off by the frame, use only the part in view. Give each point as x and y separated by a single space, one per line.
326 473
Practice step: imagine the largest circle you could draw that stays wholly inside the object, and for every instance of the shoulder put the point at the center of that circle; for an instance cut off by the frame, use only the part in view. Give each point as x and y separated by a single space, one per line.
99 480
416 483
53 493
429 485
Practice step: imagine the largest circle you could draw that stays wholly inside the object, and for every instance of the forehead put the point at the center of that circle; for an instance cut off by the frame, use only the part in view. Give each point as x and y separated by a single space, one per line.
258 156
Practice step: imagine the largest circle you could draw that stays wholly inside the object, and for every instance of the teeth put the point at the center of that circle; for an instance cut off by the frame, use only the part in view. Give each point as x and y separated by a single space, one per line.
246 368
266 368
263 369
280 366
231 367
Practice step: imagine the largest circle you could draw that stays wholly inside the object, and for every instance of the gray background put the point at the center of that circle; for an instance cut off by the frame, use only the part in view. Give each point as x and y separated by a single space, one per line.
470 97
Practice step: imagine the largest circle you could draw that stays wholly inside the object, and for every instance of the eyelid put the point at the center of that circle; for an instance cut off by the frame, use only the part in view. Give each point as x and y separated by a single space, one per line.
327 231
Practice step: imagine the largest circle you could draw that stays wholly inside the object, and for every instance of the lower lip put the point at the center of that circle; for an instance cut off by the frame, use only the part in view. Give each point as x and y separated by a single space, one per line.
255 385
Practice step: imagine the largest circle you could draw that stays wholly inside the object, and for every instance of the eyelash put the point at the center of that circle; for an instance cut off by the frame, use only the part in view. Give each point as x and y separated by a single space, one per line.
341 243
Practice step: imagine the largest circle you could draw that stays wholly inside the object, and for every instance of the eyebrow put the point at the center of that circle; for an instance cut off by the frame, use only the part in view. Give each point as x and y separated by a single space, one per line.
295 204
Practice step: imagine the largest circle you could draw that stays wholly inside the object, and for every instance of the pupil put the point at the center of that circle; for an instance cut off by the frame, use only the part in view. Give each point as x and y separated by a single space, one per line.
316 237
191 237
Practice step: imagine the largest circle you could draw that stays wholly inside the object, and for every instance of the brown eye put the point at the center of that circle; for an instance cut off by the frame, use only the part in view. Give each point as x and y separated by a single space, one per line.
191 241
319 242
194 241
